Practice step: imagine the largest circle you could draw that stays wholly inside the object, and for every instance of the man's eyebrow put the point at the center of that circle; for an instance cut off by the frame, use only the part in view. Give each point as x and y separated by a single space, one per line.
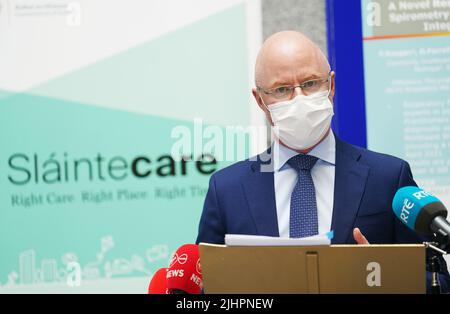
309 77
279 83
312 77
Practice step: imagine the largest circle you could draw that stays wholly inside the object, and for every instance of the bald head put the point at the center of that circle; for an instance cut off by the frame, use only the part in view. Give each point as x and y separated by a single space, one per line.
288 58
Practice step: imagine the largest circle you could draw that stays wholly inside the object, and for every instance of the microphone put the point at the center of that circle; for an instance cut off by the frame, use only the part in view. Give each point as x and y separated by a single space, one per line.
184 275
158 284
421 212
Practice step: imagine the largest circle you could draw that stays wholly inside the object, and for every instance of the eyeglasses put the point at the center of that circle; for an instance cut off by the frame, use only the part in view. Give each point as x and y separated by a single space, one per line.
308 88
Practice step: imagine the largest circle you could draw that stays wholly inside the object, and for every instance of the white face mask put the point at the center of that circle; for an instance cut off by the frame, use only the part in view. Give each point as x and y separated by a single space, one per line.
303 121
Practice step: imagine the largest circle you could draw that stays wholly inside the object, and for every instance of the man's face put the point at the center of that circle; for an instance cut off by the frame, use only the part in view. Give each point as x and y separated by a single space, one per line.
289 66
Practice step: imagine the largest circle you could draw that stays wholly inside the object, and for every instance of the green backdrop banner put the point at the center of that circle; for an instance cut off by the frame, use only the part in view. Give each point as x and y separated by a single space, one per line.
92 198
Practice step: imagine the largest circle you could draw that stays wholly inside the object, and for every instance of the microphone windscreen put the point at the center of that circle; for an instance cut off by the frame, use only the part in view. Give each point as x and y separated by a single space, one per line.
184 272
158 283
417 208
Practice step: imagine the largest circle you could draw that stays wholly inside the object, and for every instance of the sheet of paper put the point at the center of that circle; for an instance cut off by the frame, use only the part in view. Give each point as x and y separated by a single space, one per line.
252 240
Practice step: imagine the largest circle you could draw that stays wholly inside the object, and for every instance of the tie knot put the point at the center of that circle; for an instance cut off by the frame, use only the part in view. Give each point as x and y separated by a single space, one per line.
302 162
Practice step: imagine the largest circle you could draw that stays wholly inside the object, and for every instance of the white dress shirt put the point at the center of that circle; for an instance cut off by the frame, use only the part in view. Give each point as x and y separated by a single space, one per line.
322 173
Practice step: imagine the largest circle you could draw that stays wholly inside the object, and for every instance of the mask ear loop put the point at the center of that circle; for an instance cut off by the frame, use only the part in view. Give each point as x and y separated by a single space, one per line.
272 134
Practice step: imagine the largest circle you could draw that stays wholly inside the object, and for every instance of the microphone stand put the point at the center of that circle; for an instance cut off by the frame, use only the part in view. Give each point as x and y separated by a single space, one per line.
435 266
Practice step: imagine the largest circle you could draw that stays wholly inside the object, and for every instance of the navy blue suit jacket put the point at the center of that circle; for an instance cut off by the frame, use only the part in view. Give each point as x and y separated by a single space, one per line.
241 200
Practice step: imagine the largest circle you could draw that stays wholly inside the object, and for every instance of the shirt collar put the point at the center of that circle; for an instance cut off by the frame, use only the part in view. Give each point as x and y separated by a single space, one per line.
325 151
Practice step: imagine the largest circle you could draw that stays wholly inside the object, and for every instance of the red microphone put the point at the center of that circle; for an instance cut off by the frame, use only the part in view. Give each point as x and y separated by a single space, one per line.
184 275
158 284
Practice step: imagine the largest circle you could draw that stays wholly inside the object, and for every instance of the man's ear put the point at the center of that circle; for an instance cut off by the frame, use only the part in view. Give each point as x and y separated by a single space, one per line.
261 105
333 85
258 99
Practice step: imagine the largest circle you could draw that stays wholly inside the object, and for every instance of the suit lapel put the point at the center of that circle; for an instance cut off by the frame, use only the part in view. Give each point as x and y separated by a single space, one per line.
260 191
349 185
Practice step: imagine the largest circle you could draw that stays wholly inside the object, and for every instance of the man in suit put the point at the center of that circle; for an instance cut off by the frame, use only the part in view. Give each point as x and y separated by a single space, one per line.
309 182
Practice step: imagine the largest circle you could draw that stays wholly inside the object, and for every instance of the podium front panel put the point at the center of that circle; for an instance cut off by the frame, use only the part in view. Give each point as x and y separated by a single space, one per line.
314 269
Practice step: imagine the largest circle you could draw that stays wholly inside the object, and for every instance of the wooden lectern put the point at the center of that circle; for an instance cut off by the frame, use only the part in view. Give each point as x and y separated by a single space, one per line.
313 269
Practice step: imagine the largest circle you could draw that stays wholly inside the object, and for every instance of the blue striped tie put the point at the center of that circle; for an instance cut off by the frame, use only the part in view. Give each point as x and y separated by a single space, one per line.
303 217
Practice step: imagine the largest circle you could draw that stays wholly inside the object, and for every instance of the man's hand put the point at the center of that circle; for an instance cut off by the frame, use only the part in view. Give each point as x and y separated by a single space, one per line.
359 237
